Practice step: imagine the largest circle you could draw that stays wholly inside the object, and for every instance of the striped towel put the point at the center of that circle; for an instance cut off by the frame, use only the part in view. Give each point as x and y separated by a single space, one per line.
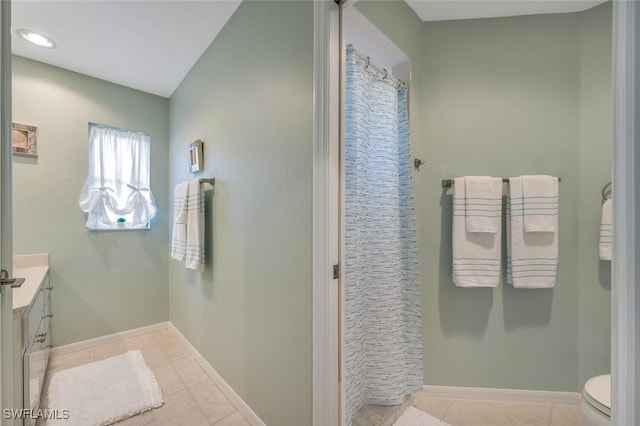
188 227
480 203
195 226
179 235
539 203
606 230
476 255
532 257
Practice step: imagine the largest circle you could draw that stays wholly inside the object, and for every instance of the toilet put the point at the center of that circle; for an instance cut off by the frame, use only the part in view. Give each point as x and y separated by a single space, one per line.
595 404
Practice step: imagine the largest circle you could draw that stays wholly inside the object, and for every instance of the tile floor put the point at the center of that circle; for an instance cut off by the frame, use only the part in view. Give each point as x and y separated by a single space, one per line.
475 413
191 398
379 415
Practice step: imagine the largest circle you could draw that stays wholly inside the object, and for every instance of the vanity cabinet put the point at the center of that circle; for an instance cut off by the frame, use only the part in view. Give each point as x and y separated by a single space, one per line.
36 338
32 315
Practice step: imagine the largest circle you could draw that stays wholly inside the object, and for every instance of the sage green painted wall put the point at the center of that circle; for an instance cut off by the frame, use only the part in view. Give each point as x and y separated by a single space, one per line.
596 148
250 99
504 97
501 99
105 282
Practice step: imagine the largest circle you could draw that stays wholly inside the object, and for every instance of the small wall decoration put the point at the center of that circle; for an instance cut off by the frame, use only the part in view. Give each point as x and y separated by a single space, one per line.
195 156
25 139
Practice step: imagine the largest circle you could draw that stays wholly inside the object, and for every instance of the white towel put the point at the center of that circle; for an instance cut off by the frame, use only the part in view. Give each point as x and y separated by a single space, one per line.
187 243
179 235
539 203
480 194
532 257
476 256
195 226
606 231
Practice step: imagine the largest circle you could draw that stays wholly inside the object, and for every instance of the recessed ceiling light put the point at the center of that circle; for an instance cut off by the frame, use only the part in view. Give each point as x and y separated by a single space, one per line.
37 39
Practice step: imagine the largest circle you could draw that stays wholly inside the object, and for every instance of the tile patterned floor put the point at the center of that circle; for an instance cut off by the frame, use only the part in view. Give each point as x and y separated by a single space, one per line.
475 413
373 415
191 398
379 415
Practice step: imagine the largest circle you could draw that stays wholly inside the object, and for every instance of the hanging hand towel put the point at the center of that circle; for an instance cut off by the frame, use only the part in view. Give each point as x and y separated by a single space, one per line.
195 226
476 255
532 257
606 231
480 194
539 203
179 235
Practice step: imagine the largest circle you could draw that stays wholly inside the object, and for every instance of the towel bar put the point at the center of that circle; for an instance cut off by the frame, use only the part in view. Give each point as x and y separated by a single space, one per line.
212 181
448 183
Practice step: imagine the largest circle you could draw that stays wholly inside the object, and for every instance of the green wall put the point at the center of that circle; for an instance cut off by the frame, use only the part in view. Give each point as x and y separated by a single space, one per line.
250 99
501 98
596 129
504 97
105 282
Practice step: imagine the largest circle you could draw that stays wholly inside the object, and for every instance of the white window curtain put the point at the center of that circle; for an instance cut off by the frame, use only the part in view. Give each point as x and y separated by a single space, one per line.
117 194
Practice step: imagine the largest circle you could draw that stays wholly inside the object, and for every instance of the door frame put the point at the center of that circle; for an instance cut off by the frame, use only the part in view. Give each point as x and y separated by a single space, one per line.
326 192
625 268
6 210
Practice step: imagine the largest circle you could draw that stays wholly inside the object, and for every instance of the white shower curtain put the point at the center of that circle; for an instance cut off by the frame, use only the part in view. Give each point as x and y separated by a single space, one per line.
383 331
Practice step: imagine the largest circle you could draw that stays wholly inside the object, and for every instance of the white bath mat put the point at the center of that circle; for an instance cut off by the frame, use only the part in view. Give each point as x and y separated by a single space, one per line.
414 417
104 392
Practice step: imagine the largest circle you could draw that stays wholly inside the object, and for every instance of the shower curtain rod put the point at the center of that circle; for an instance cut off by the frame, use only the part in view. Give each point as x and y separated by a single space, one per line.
379 69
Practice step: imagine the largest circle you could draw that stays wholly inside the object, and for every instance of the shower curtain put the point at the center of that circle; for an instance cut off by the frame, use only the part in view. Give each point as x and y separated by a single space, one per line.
383 331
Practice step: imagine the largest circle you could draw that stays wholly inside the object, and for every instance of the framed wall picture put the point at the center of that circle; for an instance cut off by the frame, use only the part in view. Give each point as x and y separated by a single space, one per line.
195 156
25 139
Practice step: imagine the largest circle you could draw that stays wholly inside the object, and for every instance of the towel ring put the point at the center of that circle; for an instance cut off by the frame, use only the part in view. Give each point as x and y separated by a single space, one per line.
606 191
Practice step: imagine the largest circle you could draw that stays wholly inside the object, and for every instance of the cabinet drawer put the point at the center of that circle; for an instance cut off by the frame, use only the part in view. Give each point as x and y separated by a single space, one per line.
31 318
34 367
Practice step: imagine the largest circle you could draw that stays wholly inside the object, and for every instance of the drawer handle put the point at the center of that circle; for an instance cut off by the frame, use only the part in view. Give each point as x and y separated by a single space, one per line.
41 337
48 316
49 288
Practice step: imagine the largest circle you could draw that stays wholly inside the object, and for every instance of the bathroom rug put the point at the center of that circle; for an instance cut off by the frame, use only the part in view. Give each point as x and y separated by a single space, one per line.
102 392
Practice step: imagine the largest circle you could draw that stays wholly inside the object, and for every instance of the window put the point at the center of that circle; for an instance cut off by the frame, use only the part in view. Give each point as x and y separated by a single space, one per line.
117 194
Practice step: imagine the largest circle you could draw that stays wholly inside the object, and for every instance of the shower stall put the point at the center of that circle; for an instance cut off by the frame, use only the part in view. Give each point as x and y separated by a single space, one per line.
382 327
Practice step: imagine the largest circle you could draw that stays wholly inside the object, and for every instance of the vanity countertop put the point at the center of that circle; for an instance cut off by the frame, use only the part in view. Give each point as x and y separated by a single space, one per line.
33 268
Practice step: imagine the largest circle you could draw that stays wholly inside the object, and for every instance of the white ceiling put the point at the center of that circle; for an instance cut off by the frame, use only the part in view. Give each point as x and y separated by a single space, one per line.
443 10
152 45
146 45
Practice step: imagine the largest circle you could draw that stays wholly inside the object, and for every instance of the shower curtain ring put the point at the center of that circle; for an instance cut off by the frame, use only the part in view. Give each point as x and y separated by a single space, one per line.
385 73
368 61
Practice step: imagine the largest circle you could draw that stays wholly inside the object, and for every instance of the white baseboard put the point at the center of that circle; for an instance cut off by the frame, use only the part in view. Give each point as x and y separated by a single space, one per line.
501 395
110 338
233 397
